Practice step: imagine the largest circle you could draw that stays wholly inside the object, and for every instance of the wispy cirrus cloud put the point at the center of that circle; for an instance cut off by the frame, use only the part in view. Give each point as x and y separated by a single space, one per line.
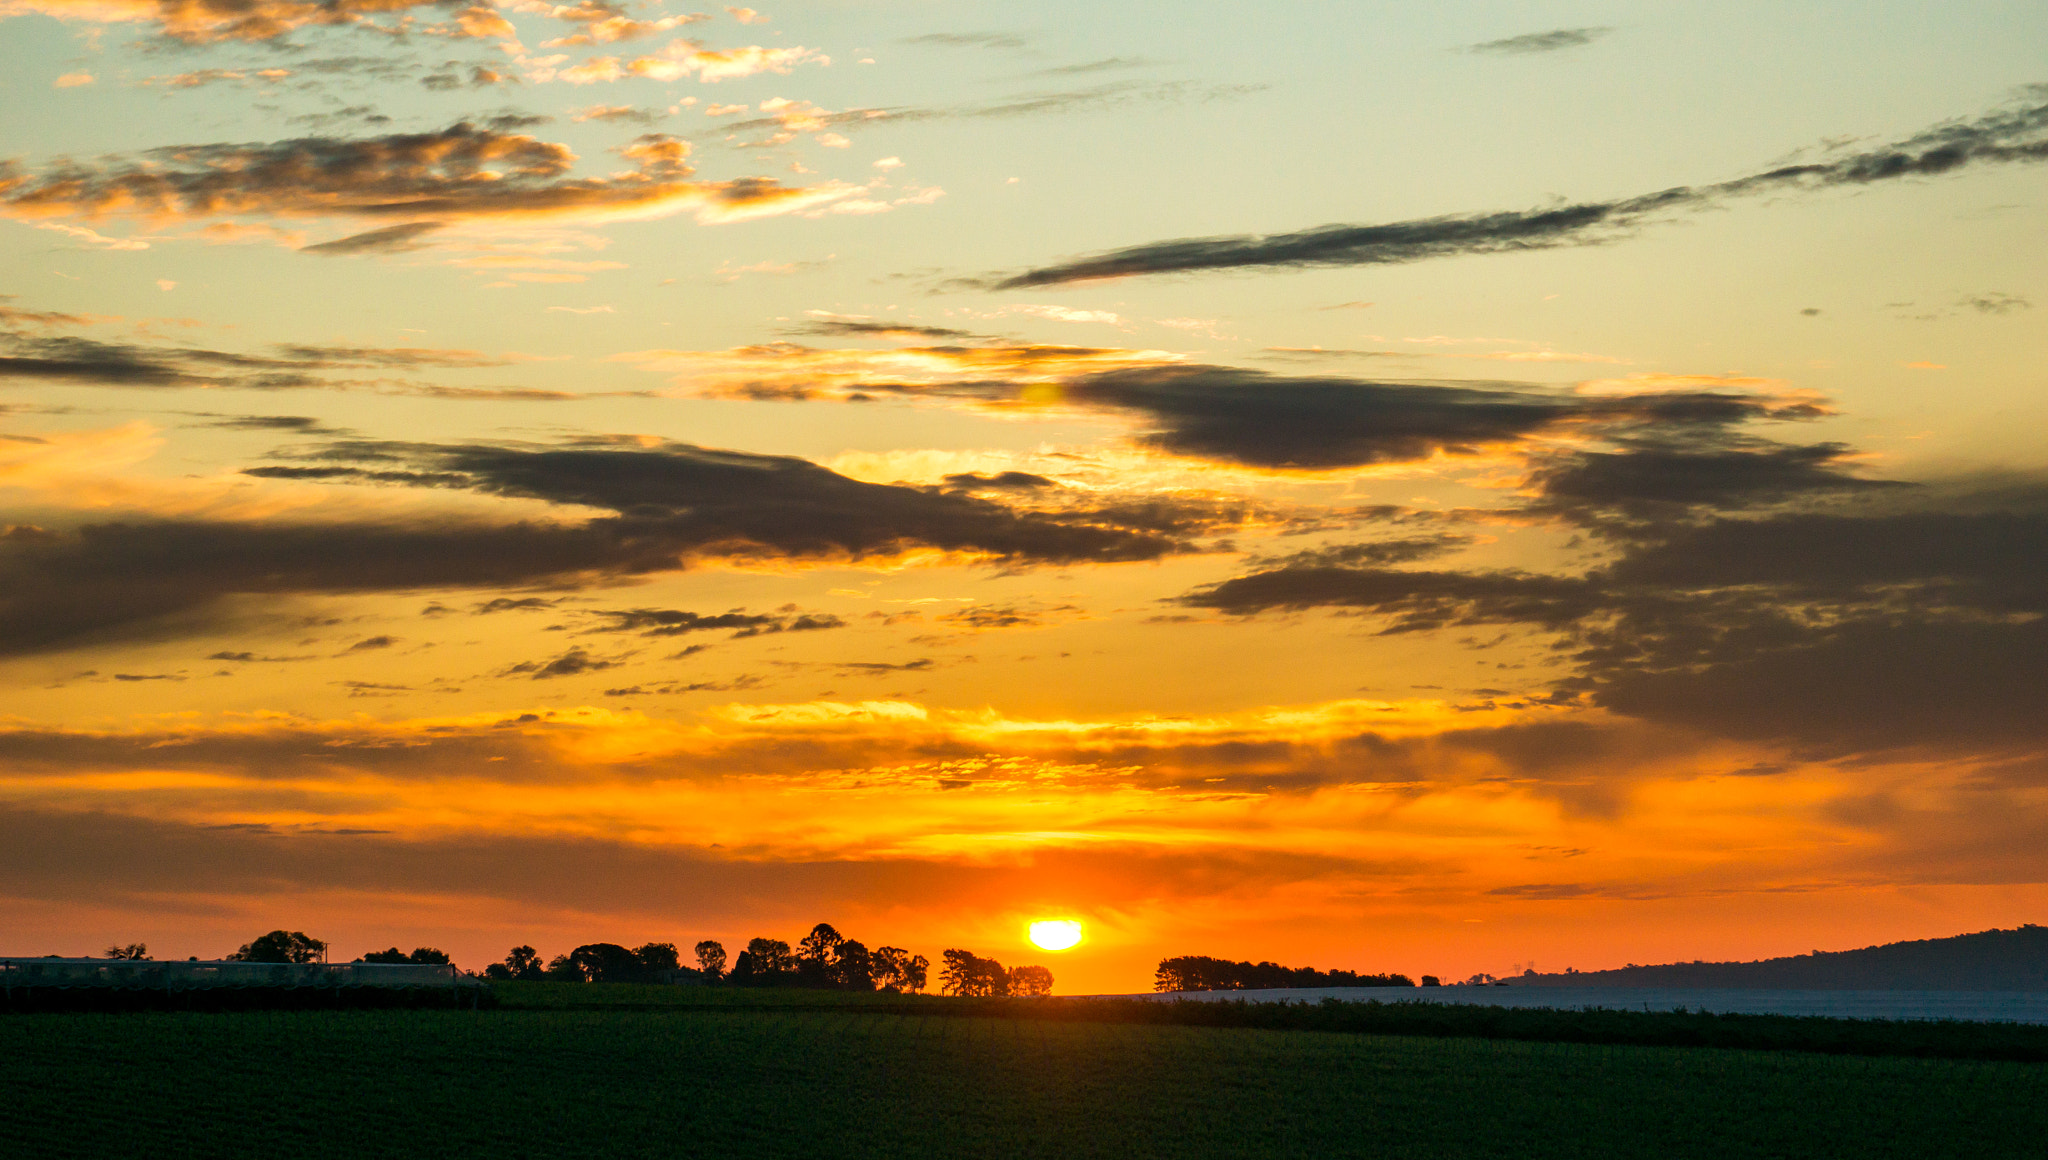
787 118
968 39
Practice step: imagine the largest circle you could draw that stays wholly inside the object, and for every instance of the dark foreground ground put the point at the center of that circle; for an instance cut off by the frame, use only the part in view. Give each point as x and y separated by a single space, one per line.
753 1080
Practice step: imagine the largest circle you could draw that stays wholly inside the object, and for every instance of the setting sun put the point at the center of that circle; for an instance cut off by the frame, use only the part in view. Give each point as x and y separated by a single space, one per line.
1056 934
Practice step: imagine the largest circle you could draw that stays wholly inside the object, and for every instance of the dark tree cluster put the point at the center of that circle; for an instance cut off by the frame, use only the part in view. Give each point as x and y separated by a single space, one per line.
1202 973
823 960
281 946
966 973
655 962
418 955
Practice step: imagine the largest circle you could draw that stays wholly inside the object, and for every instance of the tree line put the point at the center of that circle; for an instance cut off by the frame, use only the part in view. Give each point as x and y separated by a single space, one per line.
824 959
966 973
1202 973
289 946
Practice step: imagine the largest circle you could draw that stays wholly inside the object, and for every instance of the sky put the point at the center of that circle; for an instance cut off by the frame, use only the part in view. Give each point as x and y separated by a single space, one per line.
1362 485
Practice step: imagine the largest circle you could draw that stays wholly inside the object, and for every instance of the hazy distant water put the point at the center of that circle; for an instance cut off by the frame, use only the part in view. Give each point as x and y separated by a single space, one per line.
1988 1006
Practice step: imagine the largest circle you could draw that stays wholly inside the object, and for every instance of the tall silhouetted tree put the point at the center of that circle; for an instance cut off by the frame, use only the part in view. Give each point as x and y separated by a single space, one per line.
280 946
711 959
131 951
1030 981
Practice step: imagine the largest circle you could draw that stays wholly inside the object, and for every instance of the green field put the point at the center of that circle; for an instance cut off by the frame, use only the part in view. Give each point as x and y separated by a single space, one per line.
602 1072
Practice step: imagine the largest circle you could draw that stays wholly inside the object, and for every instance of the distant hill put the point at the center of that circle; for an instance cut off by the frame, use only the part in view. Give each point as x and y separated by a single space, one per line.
1991 960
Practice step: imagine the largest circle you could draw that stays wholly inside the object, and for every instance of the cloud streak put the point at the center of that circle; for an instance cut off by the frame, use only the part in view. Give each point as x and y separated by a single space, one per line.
2012 136
82 360
1530 43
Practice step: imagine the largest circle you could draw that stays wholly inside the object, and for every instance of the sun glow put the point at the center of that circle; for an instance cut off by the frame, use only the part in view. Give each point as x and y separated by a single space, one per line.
1056 934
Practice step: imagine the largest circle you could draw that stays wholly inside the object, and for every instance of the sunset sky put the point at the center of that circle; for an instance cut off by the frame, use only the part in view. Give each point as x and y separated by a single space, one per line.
1357 484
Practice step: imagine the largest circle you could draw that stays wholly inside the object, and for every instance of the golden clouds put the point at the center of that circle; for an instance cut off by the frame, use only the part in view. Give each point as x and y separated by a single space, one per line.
198 22
208 21
463 173
787 781
788 370
1426 800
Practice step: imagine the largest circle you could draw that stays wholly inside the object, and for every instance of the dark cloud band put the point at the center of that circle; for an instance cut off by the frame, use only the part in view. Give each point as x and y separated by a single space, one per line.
671 507
1842 633
1261 420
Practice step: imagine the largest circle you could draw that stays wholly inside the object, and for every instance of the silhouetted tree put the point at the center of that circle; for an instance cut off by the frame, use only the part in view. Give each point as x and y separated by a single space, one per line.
765 963
1033 982
820 943
895 969
607 963
564 969
711 959
280 946
853 968
966 973
136 951
658 958
523 963
817 954
419 955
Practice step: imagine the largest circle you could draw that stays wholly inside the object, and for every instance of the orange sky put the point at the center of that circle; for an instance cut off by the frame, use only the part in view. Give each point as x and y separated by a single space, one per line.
559 474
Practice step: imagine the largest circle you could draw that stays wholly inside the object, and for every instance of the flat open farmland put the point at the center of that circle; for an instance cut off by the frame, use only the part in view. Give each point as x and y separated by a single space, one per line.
759 1082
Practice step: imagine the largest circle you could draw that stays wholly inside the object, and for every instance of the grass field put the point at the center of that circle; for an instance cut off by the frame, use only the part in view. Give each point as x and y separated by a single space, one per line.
762 1079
